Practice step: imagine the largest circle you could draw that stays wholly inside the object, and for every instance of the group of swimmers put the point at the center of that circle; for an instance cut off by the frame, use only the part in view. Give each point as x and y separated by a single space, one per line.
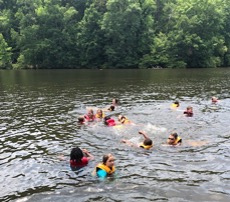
100 113
188 112
80 157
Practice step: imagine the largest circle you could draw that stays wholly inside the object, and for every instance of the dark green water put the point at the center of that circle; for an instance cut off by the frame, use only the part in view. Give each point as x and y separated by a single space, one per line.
38 122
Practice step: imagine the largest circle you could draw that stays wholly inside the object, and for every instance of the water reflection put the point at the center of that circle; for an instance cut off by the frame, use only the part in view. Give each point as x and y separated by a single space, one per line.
39 111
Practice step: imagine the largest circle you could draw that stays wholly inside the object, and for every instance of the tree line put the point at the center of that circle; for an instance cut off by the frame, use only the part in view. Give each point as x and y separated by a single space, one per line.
114 33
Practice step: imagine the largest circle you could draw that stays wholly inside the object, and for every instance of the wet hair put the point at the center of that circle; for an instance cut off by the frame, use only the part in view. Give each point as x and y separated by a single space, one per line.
148 141
111 108
189 107
106 119
76 154
99 110
177 103
91 112
81 119
175 135
122 118
105 158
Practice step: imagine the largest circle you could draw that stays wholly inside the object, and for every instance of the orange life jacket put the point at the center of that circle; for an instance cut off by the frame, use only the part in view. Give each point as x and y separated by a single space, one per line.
145 146
105 168
177 140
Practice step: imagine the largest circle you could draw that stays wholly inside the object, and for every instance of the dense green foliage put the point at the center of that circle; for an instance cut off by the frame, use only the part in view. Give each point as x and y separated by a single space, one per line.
114 33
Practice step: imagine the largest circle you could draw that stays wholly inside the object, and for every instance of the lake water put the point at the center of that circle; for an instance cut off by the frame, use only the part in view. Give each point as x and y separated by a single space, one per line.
38 123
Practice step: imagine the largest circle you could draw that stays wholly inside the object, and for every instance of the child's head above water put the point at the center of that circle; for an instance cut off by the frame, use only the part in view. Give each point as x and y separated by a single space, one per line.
214 100
108 160
109 121
111 108
114 101
81 119
148 142
76 154
177 103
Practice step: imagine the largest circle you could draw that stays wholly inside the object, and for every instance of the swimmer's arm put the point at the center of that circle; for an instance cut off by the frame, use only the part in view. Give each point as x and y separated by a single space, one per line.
105 110
61 157
128 143
88 154
144 134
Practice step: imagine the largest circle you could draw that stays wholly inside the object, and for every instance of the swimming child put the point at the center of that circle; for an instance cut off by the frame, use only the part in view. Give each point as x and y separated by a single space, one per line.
146 144
189 111
123 119
81 120
115 102
79 158
175 104
109 121
100 114
111 108
90 115
113 105
174 139
214 100
106 168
